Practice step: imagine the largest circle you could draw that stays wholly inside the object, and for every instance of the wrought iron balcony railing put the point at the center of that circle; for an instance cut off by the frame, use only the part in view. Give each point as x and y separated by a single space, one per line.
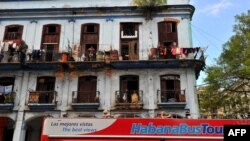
42 97
85 97
7 98
134 96
169 96
129 99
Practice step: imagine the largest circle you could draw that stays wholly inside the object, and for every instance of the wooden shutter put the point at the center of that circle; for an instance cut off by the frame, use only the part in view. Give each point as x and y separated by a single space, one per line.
87 89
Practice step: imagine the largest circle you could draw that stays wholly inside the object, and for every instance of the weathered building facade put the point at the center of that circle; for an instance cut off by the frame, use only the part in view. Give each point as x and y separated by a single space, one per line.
78 58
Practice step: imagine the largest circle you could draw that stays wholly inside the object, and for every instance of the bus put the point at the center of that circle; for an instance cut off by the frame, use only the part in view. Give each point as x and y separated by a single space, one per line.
135 129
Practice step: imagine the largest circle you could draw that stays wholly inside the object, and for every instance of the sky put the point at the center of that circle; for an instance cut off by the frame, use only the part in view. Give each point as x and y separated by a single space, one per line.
212 26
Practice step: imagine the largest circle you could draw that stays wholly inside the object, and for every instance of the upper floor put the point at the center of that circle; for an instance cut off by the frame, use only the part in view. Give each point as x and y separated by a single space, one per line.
26 4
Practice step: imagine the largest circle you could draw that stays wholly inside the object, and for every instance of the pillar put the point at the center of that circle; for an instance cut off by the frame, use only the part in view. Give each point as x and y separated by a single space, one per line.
20 123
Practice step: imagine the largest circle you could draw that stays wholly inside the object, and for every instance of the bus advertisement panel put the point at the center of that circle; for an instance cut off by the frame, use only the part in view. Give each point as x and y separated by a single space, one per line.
139 129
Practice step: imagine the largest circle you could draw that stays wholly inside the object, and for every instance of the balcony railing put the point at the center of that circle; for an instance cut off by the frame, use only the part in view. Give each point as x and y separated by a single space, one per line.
129 99
42 100
7 98
7 101
85 99
171 98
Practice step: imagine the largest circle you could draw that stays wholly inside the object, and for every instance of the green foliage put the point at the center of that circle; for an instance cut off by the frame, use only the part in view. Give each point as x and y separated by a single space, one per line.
149 2
232 72
149 6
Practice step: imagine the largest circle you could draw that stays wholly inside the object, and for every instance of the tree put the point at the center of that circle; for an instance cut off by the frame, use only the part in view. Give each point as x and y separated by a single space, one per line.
149 6
232 71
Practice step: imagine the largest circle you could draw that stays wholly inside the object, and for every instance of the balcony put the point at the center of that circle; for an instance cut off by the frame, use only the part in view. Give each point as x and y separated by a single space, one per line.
156 60
7 101
85 100
171 99
129 99
42 100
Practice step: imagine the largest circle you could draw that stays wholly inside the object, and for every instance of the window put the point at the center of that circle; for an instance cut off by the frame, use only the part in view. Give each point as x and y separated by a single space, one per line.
45 83
45 89
90 28
128 29
129 84
13 32
6 89
170 88
167 32
129 41
51 29
50 41
87 89
89 39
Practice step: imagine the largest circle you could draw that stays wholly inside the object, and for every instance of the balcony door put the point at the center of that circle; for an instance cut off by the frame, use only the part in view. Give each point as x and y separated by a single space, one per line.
167 34
6 89
128 85
170 88
50 41
13 32
89 40
45 87
129 39
87 89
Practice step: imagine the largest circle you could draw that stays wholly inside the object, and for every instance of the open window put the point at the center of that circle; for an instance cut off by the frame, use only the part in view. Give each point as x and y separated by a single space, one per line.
6 89
45 90
89 40
129 84
50 41
129 41
170 89
13 32
167 34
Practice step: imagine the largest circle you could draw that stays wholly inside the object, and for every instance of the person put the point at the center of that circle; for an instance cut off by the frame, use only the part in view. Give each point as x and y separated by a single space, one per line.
91 51
188 116
165 115
106 114
173 49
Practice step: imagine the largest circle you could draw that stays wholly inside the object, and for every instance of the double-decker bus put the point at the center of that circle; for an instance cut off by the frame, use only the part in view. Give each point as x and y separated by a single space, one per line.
135 129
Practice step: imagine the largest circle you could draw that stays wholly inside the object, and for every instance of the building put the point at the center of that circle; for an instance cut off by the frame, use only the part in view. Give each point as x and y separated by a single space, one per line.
87 58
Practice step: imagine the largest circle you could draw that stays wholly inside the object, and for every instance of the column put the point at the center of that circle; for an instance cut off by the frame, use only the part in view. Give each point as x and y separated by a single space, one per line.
31 36
192 96
18 132
108 89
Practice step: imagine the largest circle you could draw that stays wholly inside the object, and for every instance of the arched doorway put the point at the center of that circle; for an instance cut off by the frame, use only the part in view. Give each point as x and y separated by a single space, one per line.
34 129
6 129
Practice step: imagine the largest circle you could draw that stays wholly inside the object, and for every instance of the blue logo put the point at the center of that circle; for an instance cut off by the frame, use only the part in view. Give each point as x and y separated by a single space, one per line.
204 128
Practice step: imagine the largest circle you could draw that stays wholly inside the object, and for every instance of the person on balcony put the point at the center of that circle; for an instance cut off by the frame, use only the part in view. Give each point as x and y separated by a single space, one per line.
91 52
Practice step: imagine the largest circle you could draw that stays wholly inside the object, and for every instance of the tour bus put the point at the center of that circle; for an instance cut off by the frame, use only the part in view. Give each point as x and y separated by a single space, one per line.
135 129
